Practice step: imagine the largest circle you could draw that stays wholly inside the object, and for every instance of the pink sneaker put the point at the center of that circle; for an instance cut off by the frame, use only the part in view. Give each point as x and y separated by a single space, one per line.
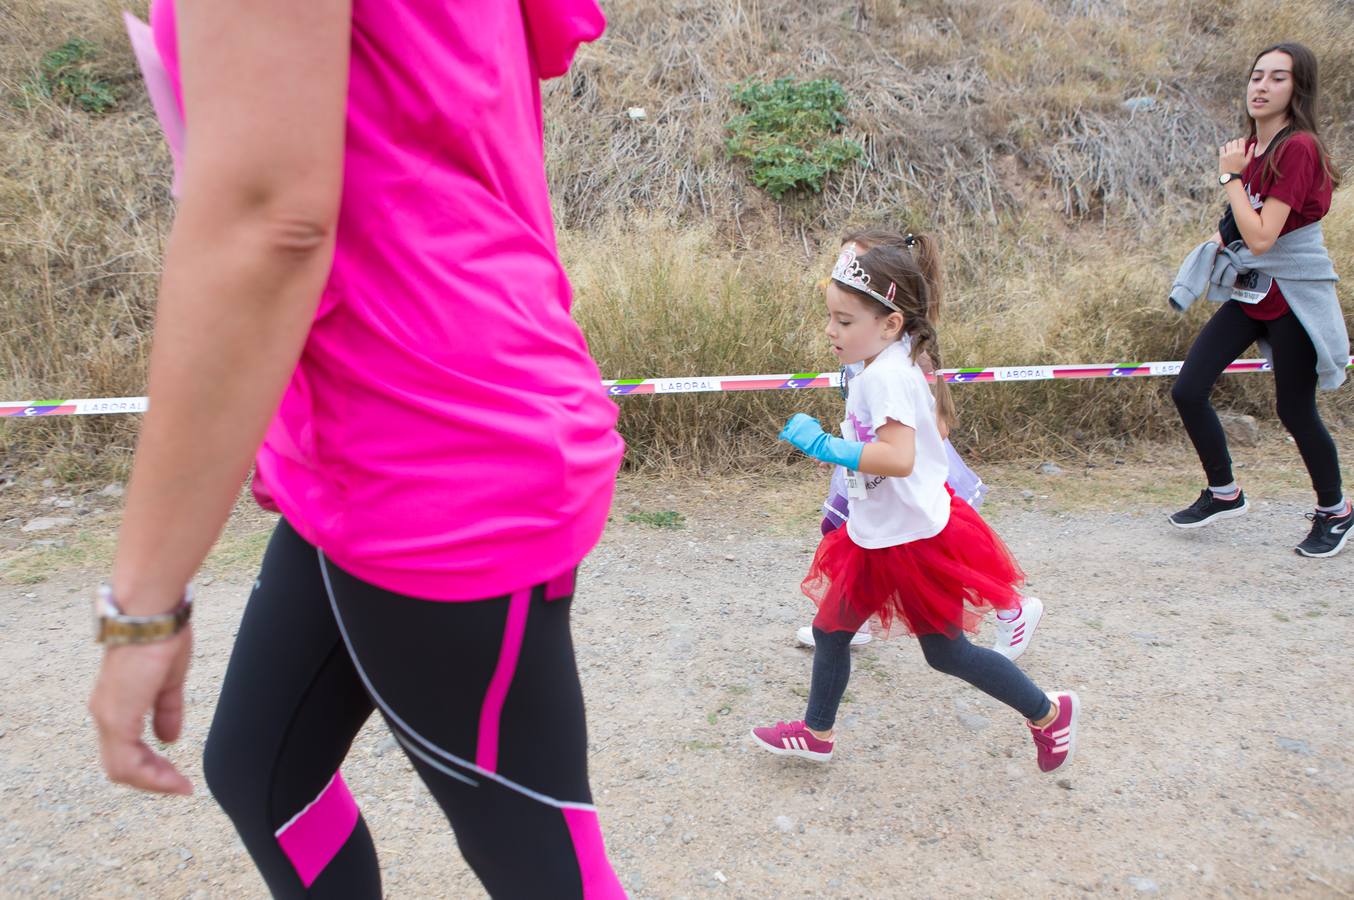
793 739
1057 741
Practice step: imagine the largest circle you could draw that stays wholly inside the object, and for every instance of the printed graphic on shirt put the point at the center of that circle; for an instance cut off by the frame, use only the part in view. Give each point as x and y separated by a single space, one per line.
864 433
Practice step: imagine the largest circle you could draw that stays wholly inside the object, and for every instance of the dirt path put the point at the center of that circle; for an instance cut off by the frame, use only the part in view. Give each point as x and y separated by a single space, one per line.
1214 668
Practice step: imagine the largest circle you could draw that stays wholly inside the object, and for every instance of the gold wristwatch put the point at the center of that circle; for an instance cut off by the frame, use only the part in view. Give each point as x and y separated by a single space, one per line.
113 627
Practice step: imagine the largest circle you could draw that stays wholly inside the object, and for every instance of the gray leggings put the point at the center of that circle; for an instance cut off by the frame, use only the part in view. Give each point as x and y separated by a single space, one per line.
985 669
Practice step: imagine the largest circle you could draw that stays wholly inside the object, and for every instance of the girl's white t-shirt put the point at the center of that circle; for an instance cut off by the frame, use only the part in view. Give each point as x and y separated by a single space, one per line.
898 510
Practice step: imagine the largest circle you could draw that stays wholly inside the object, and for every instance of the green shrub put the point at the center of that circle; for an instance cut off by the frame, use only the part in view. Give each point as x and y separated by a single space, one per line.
67 75
790 133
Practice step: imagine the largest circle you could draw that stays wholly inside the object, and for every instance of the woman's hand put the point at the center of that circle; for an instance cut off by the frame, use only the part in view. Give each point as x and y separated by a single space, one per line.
1235 156
266 85
136 679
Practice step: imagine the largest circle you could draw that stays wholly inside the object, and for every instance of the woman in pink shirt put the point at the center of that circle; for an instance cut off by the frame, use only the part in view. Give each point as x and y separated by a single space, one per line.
362 292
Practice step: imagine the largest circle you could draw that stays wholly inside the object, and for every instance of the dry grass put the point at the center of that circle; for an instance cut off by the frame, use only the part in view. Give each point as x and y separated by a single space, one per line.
998 126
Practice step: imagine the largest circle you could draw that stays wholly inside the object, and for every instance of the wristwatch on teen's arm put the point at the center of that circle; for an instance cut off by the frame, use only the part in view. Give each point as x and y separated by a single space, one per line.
1225 177
114 628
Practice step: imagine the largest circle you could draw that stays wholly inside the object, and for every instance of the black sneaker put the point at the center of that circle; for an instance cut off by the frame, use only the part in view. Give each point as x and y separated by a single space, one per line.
1329 533
1208 508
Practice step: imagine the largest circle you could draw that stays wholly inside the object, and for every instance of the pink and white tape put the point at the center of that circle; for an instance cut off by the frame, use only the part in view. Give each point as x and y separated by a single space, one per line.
625 387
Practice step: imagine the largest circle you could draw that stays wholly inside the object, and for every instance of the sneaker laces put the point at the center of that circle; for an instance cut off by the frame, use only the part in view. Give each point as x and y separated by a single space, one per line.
1320 522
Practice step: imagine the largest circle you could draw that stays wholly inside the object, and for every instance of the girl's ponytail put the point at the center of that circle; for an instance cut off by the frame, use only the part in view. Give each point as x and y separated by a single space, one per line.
926 341
926 349
926 251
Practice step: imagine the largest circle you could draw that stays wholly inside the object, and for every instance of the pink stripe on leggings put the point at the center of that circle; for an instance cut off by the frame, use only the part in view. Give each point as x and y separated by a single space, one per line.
599 879
561 586
486 749
316 834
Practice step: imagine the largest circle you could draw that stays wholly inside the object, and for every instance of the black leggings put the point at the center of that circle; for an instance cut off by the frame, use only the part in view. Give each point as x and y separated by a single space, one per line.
483 697
1222 340
985 669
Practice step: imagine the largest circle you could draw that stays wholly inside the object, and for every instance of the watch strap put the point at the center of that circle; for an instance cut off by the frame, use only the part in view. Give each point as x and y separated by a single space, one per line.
115 628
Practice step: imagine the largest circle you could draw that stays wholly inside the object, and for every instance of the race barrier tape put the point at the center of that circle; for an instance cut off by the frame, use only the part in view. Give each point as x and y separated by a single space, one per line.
626 387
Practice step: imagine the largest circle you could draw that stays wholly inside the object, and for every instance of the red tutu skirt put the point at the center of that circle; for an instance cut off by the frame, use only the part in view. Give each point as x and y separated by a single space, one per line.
937 585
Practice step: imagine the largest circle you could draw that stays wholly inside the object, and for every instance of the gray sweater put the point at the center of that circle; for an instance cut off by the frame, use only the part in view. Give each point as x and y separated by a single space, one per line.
1299 264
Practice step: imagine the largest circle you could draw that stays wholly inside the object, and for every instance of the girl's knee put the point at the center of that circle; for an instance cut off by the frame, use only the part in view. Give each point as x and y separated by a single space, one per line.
1299 420
942 654
1186 396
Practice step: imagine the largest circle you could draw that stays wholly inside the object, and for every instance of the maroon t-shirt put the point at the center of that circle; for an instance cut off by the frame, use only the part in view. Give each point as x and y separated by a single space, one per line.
1303 185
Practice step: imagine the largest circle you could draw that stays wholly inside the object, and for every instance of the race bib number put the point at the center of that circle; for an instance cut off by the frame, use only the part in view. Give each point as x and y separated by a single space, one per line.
1251 287
855 483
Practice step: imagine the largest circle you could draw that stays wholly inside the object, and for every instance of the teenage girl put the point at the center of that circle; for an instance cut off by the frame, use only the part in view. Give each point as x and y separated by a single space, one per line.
362 291
1278 181
912 556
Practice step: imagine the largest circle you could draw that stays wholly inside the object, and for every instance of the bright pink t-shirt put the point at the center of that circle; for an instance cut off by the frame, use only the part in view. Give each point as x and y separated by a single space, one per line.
445 434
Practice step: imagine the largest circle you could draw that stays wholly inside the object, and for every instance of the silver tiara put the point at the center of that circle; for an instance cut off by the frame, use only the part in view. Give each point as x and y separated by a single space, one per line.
847 271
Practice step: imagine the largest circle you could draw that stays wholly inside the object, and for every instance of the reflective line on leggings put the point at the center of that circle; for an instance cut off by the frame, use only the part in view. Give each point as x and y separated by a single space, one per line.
427 744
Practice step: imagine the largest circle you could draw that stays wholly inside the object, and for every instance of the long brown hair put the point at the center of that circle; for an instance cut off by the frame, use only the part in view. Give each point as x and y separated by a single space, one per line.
1302 110
912 264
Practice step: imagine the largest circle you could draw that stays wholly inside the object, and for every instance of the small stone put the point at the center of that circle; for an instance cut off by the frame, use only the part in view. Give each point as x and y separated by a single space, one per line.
974 722
184 853
1065 783
55 544
1142 885
49 482
721 877
112 490
1027 495
1293 745
1240 429
63 504
1049 468
729 557
47 523
1137 104
688 837
785 824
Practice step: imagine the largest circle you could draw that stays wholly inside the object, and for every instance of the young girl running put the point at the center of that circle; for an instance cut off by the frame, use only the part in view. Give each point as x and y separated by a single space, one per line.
1278 182
1015 627
912 555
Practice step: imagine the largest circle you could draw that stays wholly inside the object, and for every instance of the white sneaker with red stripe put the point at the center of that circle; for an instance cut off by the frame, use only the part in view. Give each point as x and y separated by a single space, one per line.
805 636
793 739
1057 741
1013 637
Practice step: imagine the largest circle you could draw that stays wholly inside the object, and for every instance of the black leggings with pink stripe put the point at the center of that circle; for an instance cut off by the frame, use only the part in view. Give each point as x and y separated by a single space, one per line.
483 697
